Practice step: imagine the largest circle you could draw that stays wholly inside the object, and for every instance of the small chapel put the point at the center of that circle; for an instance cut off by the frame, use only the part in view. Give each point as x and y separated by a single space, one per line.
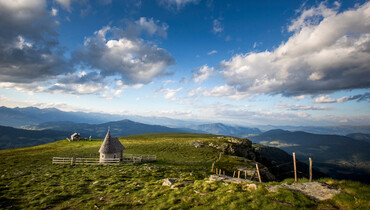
111 148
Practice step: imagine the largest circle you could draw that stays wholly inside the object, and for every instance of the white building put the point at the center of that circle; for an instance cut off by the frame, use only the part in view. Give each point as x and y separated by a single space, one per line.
111 148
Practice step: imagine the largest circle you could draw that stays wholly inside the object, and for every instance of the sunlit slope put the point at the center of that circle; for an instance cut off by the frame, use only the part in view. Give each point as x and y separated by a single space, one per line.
28 180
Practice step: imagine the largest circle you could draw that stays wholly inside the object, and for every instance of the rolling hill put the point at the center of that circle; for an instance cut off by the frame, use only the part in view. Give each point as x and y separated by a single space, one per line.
338 156
29 180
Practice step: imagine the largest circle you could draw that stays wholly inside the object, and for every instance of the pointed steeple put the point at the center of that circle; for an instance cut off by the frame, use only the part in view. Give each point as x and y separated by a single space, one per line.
111 145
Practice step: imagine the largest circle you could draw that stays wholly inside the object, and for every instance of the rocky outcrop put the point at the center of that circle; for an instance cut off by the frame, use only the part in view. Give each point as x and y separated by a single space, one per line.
317 190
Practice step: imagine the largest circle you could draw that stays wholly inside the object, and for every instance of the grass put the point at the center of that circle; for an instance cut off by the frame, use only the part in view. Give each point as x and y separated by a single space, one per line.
28 180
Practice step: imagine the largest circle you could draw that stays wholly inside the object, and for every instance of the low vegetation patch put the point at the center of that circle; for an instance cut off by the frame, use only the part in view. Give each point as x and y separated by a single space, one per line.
28 180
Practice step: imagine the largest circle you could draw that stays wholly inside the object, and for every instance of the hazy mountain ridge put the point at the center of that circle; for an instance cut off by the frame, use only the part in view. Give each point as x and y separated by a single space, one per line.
18 117
229 130
117 128
337 156
360 136
14 137
338 130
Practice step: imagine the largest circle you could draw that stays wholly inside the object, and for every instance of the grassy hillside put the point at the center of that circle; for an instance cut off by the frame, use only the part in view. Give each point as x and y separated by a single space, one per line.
28 180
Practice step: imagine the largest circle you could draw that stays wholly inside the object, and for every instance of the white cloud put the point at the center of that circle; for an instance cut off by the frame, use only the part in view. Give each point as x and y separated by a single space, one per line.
66 4
54 12
133 59
194 92
212 52
152 26
327 99
299 107
176 4
169 93
321 56
217 26
225 91
202 73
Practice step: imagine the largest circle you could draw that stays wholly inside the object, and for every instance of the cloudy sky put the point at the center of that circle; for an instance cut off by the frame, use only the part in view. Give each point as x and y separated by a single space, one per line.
238 62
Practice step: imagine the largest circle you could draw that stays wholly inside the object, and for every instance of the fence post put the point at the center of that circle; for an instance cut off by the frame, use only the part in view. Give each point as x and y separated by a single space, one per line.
234 175
220 172
213 166
258 172
295 167
238 174
72 161
310 169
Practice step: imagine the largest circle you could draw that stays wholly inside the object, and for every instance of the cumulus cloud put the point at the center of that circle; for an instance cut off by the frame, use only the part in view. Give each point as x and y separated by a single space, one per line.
152 26
212 52
194 92
202 73
79 83
176 4
225 91
29 48
298 107
217 26
328 51
134 60
325 99
66 4
328 99
169 93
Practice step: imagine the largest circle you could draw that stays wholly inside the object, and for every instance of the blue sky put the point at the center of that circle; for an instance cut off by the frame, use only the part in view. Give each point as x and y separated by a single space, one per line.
237 62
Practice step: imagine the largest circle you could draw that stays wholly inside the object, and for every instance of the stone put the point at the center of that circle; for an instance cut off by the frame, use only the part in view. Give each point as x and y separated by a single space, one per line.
197 144
317 190
168 182
252 187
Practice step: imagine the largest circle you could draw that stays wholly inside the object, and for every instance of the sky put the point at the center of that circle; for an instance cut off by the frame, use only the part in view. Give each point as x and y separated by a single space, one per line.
238 62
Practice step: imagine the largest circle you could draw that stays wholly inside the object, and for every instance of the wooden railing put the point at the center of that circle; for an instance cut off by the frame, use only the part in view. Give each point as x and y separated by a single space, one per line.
126 158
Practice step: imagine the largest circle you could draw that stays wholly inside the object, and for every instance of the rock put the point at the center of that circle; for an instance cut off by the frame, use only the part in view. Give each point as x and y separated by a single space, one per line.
197 144
251 187
317 190
168 182
228 179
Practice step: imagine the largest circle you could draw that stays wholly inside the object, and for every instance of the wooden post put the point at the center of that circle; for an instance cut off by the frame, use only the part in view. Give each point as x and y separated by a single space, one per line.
295 167
224 173
258 172
245 174
72 161
213 166
310 169
216 171
219 173
234 175
238 174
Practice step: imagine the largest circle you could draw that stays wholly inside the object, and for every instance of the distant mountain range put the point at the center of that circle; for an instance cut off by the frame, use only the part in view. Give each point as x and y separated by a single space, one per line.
117 128
341 157
228 130
18 117
338 130
14 137
359 136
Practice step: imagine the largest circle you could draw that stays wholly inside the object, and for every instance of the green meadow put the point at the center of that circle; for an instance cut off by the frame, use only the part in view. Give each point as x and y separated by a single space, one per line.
29 180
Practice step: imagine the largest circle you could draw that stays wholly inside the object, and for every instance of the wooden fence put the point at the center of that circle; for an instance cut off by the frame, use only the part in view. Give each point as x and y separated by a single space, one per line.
126 158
